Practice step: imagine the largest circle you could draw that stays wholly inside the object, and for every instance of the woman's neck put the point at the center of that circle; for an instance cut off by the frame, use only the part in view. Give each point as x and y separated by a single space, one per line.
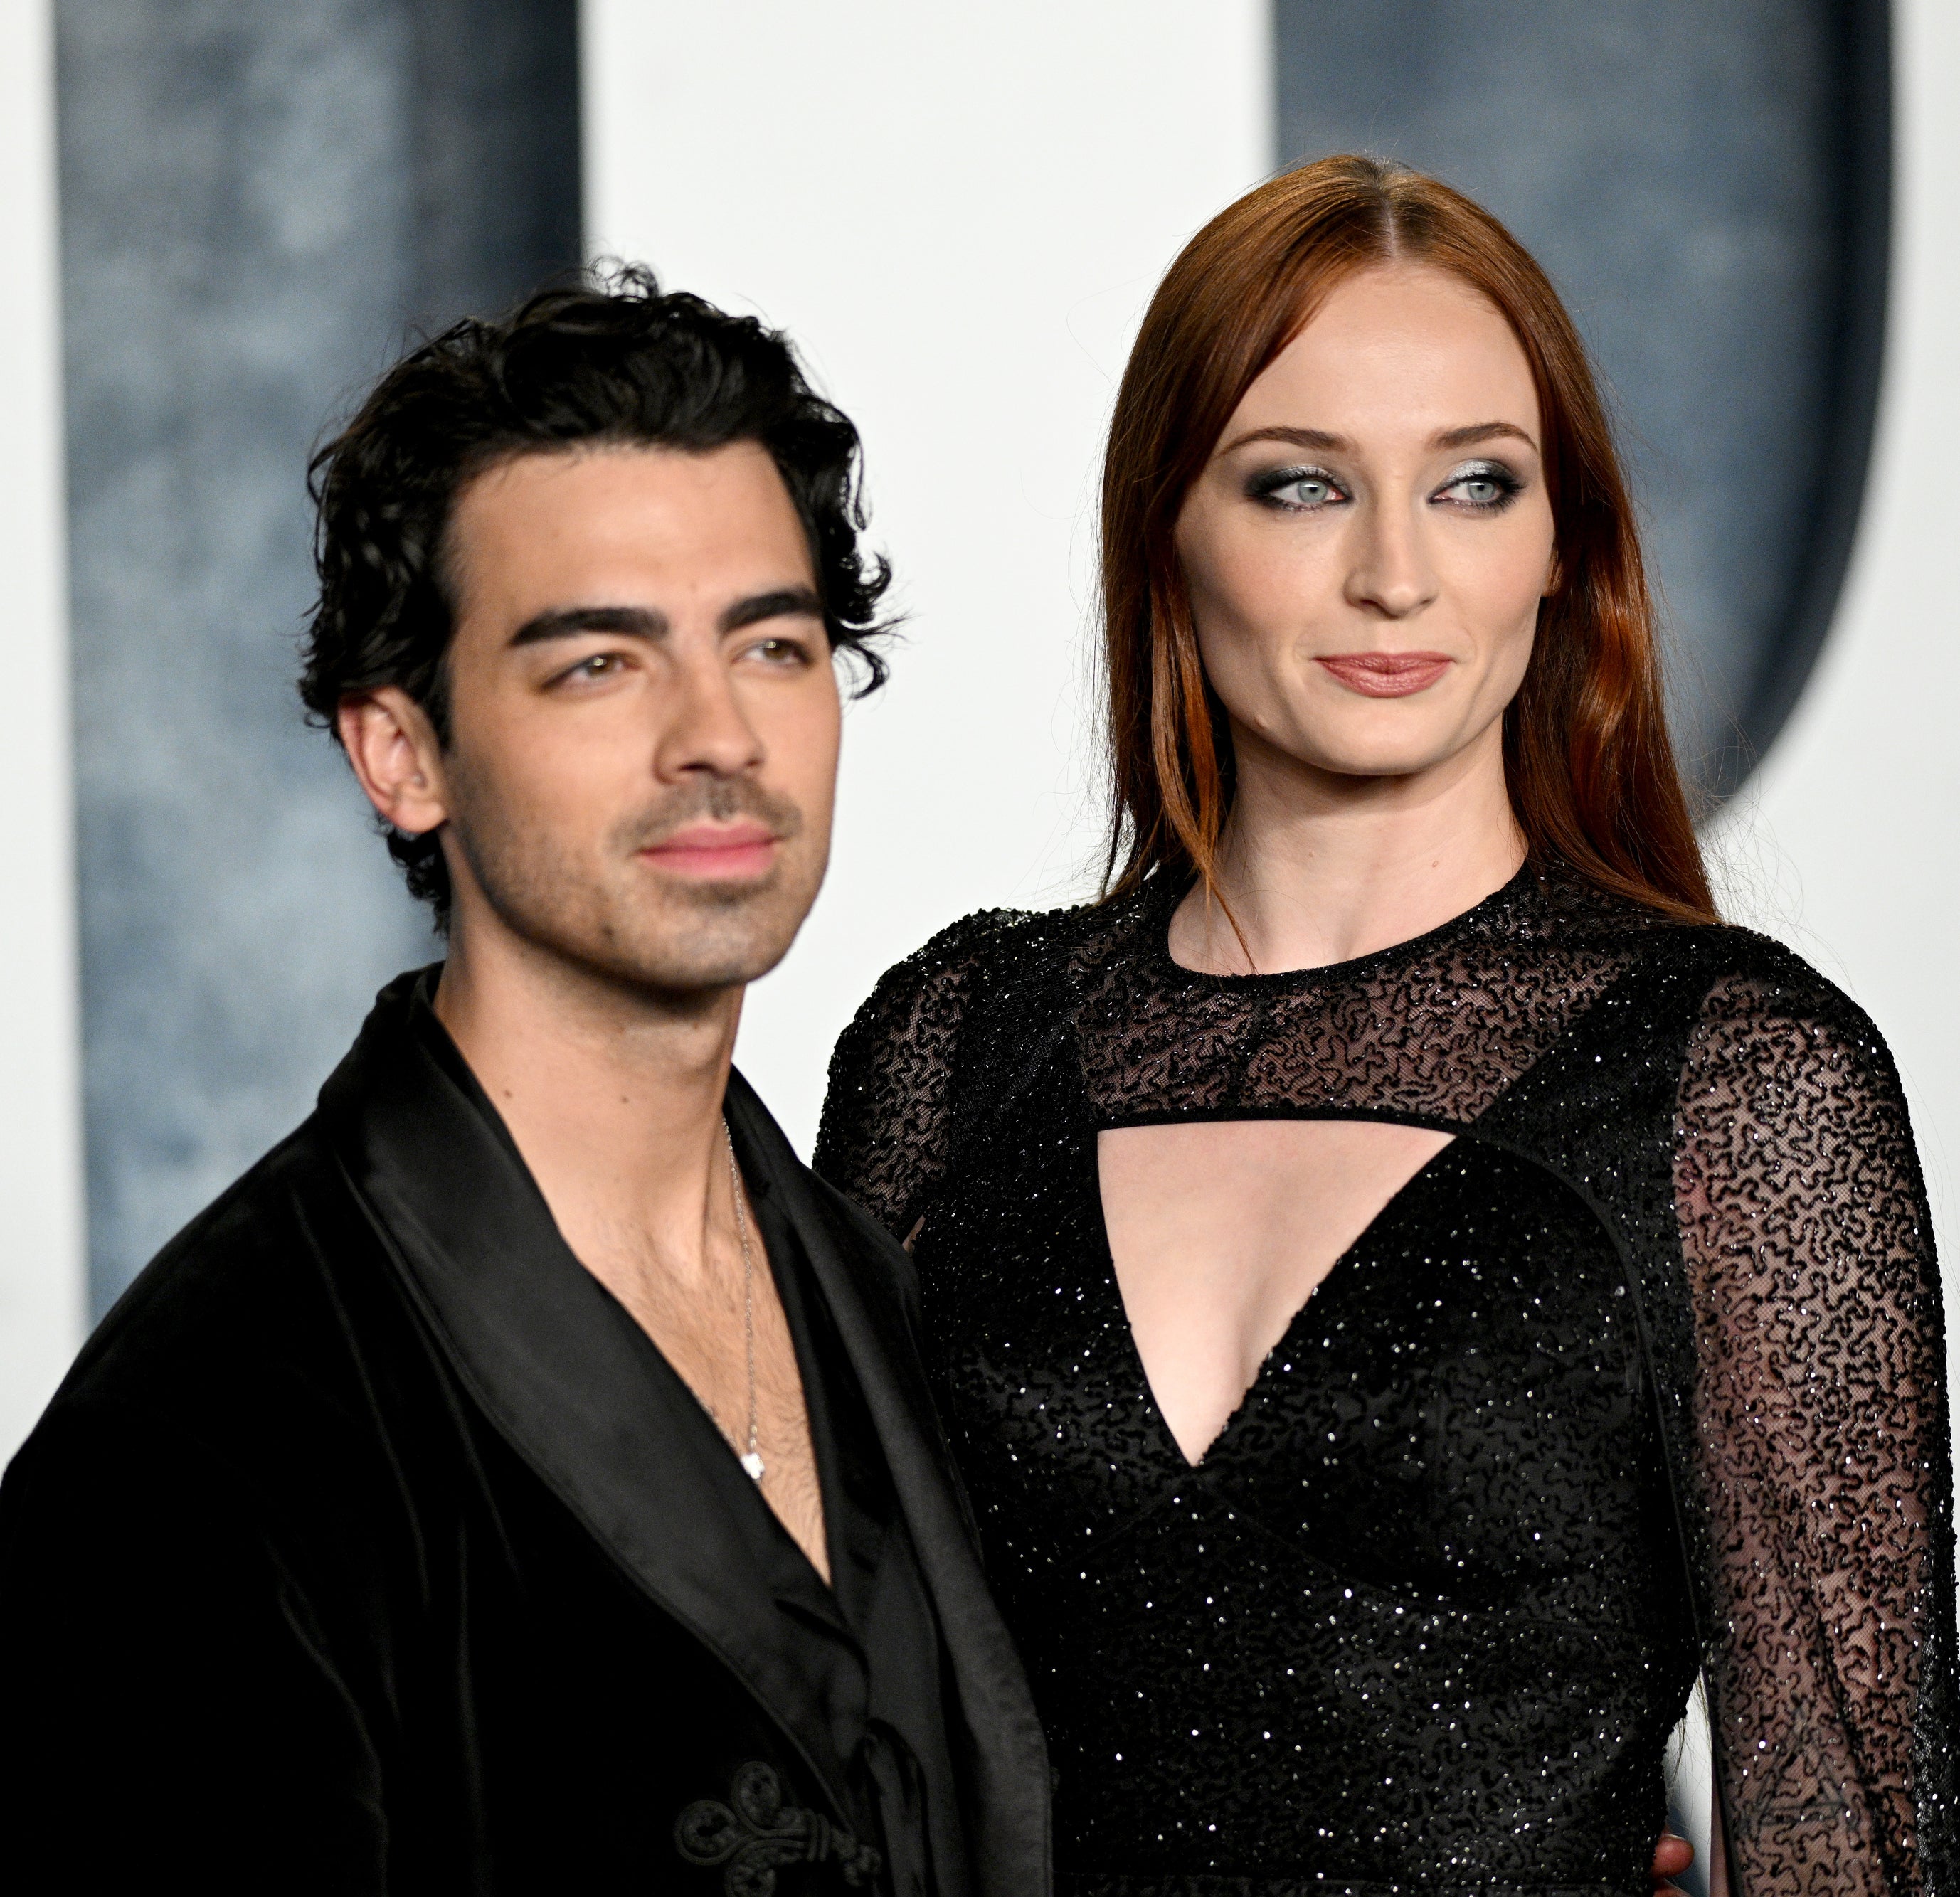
1317 867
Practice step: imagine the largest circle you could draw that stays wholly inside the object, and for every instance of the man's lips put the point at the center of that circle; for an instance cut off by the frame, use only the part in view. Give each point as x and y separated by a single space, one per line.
716 852
1387 675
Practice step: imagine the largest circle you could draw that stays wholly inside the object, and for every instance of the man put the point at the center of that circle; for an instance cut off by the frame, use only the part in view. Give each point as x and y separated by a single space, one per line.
522 1480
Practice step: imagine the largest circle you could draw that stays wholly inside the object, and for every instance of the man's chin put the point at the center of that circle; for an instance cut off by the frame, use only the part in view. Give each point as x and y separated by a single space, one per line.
694 939
709 973
719 946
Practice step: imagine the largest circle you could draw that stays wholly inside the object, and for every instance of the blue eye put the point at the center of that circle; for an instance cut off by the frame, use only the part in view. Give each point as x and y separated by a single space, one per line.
1482 490
1298 490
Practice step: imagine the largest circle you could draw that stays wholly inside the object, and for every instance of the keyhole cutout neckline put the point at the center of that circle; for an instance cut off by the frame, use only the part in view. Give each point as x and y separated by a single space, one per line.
1218 1233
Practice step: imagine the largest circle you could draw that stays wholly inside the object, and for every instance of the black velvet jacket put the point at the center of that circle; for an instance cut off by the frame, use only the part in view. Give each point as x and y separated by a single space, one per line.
369 1546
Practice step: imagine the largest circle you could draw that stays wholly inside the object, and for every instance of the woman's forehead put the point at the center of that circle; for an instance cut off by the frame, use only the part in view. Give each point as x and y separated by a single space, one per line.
1405 345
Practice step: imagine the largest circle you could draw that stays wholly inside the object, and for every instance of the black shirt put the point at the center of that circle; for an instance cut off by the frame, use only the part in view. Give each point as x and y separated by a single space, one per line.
874 1625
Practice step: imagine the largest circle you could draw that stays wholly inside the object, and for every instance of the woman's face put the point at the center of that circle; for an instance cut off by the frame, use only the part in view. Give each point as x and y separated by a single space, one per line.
1367 549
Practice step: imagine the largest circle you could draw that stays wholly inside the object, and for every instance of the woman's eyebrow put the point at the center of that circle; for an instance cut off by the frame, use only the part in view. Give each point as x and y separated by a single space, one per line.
1481 431
1322 439
1293 437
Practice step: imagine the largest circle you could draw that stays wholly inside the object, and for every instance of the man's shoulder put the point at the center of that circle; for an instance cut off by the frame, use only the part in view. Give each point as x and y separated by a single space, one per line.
261 1308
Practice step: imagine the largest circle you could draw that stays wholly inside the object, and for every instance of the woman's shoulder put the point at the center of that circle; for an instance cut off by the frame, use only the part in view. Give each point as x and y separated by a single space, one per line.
993 954
976 941
936 978
888 1114
1739 994
1732 969
1765 1011
1755 976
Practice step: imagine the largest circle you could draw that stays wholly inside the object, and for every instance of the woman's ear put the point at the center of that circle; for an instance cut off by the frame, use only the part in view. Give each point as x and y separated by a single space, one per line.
393 749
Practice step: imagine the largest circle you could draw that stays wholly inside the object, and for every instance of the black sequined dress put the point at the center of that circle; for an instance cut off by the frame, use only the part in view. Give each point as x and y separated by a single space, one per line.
1644 1372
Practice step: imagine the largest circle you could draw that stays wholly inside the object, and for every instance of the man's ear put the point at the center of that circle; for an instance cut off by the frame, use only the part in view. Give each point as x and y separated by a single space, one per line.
393 749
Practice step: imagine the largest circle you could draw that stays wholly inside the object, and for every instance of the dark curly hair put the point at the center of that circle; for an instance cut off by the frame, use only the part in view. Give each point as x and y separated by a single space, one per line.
611 359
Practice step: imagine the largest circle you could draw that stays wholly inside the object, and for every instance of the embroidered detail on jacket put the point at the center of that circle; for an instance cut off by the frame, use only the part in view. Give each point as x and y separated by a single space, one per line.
758 1832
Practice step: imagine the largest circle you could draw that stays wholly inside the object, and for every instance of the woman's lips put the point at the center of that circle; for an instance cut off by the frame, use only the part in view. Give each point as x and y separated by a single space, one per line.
1387 675
715 852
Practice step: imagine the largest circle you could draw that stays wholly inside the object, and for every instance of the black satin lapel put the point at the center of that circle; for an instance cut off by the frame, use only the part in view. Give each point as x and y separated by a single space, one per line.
858 1505
1009 1755
548 1356
873 1330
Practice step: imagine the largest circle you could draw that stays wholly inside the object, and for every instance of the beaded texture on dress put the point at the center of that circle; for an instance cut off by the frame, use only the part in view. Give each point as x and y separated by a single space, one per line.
1646 1368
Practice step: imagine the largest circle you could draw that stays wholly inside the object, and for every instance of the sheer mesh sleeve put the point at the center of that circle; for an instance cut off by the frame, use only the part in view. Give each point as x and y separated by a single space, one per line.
1821 1416
886 1130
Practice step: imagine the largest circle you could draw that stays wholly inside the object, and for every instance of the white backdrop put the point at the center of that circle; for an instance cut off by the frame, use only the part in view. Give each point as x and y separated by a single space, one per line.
958 213
42 1297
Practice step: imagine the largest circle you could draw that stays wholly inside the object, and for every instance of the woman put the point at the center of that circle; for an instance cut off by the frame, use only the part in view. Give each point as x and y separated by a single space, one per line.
1407 1285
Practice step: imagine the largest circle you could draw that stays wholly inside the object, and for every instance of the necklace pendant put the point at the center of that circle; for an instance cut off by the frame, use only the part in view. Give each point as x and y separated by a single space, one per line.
752 1463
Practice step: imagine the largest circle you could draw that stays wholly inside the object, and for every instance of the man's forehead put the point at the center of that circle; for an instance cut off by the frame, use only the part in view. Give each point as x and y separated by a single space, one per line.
619 517
738 473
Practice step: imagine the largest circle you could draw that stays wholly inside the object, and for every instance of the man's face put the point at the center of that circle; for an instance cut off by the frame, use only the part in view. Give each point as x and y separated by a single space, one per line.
644 717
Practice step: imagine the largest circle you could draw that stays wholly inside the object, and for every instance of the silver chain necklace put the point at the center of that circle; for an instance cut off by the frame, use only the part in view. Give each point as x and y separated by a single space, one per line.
752 1461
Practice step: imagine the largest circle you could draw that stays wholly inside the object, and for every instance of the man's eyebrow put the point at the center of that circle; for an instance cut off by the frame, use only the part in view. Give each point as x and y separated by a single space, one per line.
1481 431
1292 437
784 602
569 622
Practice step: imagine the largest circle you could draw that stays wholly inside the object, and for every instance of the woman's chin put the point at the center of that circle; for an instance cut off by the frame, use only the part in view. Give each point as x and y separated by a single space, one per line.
1370 759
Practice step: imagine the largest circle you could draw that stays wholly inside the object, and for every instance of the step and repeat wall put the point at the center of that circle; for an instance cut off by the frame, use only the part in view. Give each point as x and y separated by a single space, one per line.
228 217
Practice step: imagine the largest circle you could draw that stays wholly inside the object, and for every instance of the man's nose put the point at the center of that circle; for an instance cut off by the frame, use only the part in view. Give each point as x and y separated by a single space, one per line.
706 727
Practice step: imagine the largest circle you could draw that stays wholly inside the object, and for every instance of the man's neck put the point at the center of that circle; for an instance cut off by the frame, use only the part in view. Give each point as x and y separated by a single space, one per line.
614 1097
1319 869
612 1093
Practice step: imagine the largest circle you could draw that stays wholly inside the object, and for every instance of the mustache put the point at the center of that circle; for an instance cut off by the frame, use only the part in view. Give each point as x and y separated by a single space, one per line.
717 800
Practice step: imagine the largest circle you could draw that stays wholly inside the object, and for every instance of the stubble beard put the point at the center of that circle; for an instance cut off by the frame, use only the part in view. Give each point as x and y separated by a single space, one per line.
607 914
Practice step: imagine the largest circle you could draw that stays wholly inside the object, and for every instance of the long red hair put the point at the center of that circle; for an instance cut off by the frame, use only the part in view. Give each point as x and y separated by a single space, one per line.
1588 764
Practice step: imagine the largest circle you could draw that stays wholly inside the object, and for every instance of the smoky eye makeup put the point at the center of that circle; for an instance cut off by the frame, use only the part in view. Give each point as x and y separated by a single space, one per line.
1481 487
1295 490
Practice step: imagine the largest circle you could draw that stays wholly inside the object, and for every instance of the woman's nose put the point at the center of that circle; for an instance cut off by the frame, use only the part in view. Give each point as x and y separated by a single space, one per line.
1392 574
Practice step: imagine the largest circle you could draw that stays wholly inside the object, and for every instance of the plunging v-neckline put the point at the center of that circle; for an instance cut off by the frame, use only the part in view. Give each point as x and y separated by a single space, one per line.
1318 1293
